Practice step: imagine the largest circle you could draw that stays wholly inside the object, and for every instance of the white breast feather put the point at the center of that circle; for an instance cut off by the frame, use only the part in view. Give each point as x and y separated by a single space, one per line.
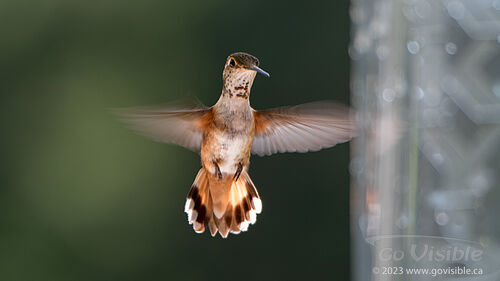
231 152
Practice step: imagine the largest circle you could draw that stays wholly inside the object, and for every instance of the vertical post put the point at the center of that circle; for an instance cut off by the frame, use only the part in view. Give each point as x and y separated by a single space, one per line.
425 167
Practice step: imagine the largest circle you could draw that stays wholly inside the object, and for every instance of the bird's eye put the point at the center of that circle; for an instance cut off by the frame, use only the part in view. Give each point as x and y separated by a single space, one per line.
232 62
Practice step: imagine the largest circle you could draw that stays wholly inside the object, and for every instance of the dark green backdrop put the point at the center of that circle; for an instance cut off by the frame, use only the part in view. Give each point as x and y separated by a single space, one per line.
82 198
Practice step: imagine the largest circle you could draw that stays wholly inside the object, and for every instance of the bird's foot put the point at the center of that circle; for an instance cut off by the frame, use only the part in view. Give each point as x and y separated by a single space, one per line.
238 172
218 173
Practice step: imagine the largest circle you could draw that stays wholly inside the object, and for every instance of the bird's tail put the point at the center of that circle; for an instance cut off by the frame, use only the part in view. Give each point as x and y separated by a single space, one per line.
225 205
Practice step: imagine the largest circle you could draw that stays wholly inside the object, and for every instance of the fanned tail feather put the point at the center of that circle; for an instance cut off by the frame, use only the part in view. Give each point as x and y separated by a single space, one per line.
225 205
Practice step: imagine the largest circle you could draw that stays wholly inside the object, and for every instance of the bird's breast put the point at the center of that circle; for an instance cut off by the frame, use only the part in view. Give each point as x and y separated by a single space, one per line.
227 147
227 150
228 139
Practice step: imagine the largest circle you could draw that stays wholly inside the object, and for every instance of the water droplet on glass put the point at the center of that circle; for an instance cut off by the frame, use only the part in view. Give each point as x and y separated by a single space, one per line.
442 218
451 48
437 158
388 95
413 47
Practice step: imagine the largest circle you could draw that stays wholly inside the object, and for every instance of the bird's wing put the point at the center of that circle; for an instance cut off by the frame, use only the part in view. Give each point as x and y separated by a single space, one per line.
179 123
302 128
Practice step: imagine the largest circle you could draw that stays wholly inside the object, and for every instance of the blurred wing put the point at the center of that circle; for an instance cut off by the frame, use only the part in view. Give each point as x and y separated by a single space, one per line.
301 128
178 123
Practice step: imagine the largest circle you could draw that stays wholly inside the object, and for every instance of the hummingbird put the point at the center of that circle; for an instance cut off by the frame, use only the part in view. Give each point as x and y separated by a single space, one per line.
223 196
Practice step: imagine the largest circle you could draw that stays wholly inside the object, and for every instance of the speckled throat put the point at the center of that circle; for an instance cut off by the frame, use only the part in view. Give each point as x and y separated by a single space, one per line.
237 83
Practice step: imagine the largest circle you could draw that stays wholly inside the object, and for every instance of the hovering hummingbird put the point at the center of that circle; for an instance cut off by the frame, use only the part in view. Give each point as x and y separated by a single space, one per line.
222 195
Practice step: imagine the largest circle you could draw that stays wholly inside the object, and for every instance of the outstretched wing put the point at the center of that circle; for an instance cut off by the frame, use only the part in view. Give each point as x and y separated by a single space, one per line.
178 123
301 128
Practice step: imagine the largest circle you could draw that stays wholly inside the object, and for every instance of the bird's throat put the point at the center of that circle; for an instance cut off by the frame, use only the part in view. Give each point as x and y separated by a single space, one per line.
237 84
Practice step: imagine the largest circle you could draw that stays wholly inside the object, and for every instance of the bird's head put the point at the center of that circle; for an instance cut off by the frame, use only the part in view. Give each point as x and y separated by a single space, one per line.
239 72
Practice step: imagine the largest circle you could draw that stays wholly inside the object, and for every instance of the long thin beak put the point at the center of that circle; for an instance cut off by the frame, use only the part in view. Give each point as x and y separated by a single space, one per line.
259 70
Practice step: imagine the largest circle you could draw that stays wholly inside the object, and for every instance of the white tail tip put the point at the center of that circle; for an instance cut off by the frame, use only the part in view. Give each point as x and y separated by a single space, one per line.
258 205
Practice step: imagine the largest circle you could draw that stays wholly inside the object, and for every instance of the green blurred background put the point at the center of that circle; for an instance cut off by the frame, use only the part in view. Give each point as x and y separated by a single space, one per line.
82 198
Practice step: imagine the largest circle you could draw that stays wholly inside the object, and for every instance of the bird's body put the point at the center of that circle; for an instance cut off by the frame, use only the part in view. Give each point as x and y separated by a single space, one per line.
223 196
228 138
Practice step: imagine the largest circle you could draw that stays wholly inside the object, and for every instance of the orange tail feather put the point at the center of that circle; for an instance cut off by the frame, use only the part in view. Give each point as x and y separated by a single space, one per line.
225 205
